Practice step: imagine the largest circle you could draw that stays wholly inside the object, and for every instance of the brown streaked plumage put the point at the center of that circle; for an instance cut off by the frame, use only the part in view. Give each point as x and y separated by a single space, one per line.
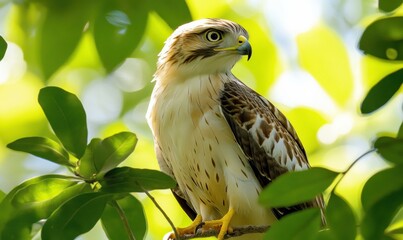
218 138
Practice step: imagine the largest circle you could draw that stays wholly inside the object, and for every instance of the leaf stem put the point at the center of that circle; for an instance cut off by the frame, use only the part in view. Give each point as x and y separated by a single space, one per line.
351 166
123 217
163 213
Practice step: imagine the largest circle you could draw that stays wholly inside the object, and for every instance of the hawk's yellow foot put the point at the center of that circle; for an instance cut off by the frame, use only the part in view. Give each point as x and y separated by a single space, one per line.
191 229
221 224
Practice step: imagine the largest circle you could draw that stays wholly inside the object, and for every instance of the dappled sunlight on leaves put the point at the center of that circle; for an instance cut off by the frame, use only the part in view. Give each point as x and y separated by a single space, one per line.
307 132
329 66
18 110
305 60
299 89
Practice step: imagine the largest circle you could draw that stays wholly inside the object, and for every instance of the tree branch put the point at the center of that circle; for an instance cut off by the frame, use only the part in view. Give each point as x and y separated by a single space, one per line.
236 231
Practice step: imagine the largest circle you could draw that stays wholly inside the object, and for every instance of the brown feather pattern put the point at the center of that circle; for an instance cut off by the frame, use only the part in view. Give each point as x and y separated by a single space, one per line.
241 107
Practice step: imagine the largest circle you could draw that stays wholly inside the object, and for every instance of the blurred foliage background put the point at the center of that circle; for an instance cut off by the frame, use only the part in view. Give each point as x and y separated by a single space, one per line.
305 60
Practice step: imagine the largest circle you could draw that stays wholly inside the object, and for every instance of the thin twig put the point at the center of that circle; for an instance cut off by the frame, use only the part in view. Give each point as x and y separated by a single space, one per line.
351 166
123 217
162 211
359 158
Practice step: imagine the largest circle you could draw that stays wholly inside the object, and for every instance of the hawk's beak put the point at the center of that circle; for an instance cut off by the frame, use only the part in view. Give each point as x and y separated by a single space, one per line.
243 47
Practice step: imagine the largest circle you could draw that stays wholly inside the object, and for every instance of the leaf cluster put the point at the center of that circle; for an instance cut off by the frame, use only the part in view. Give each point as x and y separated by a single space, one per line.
98 189
117 28
383 39
382 195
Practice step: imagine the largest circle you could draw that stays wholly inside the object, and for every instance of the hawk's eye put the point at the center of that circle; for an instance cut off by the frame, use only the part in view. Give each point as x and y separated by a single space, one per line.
213 36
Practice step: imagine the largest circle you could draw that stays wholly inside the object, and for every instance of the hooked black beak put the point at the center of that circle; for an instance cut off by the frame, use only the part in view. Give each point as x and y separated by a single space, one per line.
245 48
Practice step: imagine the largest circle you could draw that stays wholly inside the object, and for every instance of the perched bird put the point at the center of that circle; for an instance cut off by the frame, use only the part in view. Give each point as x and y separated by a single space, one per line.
220 140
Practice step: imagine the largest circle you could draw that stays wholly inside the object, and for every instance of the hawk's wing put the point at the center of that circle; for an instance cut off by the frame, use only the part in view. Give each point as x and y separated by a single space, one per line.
265 136
178 194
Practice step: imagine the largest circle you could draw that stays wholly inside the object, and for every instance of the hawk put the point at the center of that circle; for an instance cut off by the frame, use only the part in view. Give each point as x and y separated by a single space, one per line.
220 140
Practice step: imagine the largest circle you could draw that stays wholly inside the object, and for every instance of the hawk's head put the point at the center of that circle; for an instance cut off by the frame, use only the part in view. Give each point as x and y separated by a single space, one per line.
203 47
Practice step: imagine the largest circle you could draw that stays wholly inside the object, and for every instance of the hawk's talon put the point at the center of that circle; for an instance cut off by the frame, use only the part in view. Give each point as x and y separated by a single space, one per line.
199 226
222 224
191 229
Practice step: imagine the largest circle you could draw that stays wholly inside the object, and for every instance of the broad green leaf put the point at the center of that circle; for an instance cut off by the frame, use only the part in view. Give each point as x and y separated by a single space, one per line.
300 225
76 216
86 165
340 218
42 147
61 32
319 51
384 39
296 187
380 185
396 231
380 215
101 156
34 181
42 190
114 150
164 9
389 5
133 212
126 179
400 132
326 234
2 195
391 149
3 47
118 29
26 204
382 92
67 118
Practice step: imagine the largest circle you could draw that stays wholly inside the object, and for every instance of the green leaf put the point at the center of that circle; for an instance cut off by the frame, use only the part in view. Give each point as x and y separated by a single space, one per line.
300 225
102 156
326 234
126 179
391 149
43 148
382 92
396 231
34 200
380 215
164 9
66 115
114 150
340 218
132 210
389 5
296 187
2 195
118 29
3 47
61 32
86 165
384 39
380 185
400 132
76 216
42 190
